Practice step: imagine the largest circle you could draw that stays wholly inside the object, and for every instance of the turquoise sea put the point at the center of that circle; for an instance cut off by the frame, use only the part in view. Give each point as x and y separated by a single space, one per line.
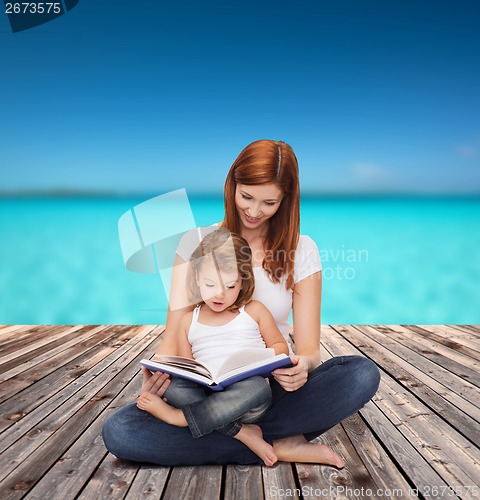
386 260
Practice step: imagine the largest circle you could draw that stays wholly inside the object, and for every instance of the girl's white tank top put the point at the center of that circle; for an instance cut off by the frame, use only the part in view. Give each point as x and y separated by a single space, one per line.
211 345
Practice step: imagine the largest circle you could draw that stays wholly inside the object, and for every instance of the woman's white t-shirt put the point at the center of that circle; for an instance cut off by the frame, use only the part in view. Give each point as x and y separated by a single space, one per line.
275 296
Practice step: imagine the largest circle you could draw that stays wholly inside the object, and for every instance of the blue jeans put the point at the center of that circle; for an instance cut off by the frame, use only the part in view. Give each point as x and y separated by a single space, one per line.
225 411
335 390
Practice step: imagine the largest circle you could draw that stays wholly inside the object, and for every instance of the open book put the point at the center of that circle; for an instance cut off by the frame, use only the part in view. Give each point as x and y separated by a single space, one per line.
243 364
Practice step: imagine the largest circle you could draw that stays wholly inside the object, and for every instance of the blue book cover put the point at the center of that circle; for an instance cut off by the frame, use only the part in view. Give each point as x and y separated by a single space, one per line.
243 364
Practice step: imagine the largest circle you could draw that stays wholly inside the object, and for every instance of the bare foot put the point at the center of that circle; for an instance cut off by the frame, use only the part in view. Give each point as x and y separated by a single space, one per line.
251 435
163 411
298 449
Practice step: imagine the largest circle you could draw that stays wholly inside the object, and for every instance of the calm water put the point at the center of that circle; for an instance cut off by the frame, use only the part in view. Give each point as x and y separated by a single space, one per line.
399 260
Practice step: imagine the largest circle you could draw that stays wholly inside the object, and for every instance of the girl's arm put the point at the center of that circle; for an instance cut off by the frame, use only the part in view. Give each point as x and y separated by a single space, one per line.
184 347
268 328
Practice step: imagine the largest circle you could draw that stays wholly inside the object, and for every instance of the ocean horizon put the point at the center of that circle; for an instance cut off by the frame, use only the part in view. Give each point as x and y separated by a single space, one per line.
386 259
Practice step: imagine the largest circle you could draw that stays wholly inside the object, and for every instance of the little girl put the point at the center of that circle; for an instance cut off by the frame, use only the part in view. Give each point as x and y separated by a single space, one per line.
221 281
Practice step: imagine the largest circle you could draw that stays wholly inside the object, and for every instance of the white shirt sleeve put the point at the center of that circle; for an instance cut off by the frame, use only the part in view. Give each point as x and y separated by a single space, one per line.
307 259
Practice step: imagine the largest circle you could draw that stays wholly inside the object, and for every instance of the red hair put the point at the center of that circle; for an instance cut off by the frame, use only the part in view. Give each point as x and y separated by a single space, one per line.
269 162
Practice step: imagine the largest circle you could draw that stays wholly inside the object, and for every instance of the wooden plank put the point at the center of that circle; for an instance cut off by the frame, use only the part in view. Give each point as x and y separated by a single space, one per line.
28 373
419 375
407 458
450 381
462 365
15 333
67 477
386 475
36 333
397 449
37 336
72 469
49 340
458 338
321 480
112 480
279 482
475 329
449 453
383 471
460 413
21 364
192 483
31 398
10 331
451 348
149 482
243 482
419 472
28 459
76 382
33 468
466 336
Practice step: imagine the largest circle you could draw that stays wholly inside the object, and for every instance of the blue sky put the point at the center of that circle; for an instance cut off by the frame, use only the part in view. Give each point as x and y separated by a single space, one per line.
150 96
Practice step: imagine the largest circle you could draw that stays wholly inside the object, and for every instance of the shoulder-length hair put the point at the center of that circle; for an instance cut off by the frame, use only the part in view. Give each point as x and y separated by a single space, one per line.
228 252
269 162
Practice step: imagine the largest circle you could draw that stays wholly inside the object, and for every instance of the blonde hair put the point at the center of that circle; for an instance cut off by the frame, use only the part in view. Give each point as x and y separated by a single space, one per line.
229 251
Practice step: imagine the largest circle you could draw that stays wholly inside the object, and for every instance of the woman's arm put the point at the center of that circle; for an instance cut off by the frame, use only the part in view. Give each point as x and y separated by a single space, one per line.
307 298
177 345
307 295
268 328
178 306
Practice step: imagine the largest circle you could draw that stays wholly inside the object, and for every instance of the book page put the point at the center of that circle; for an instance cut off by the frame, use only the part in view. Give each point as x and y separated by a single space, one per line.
261 368
178 371
244 357
183 363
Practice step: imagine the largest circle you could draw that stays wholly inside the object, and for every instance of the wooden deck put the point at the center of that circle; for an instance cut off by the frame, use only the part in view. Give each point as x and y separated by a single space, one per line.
420 436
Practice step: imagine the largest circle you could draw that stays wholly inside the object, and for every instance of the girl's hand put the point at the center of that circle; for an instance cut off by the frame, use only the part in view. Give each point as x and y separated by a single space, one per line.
155 383
294 377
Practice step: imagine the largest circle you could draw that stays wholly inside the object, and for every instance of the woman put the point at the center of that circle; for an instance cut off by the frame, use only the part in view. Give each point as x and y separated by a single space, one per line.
262 204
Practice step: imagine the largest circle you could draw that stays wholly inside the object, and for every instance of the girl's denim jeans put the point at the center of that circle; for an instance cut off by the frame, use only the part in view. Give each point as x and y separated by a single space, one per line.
224 411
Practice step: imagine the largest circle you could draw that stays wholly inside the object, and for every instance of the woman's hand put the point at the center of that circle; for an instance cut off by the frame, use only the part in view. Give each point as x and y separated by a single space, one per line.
294 377
155 383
